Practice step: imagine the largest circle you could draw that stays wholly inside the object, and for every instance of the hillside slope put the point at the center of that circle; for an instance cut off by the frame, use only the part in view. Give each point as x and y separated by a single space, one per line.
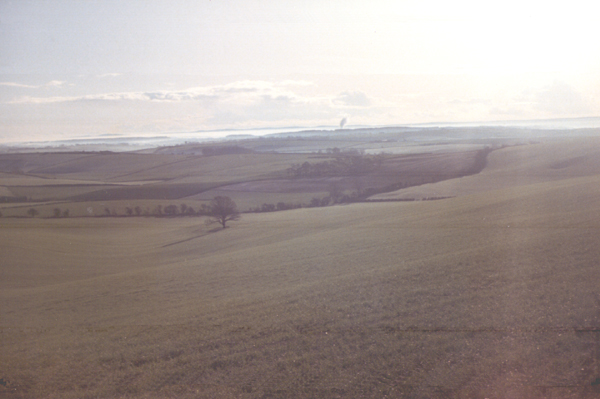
492 294
516 166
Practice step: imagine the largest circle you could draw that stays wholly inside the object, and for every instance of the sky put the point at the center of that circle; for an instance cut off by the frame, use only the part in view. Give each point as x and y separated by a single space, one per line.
84 68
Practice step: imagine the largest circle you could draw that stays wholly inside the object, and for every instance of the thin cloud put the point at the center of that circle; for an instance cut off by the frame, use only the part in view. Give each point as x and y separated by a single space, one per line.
556 99
243 92
55 83
561 99
52 83
296 83
14 84
470 101
511 112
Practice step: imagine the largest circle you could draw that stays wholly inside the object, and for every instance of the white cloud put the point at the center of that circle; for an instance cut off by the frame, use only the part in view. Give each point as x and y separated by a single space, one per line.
55 83
352 99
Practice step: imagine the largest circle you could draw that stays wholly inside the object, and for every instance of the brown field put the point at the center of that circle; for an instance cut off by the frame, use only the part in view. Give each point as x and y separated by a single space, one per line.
490 294
70 179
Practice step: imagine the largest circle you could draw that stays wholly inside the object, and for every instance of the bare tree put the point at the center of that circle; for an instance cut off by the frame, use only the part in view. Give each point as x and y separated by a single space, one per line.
222 210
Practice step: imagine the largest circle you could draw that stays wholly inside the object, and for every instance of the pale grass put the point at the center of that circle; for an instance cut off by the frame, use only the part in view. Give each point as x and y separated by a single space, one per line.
517 166
457 298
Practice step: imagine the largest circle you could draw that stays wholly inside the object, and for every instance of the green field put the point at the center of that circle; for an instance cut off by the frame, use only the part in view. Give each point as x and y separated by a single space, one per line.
493 293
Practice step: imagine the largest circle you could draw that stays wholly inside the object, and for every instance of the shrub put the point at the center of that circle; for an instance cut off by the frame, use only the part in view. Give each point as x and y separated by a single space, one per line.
171 210
267 208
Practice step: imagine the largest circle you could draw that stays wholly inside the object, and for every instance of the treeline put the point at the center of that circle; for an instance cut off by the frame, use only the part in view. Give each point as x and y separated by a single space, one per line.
407 199
56 213
157 211
313 203
336 196
351 165
280 206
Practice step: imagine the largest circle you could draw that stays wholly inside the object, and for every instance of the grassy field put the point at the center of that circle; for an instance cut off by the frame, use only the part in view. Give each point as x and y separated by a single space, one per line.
491 294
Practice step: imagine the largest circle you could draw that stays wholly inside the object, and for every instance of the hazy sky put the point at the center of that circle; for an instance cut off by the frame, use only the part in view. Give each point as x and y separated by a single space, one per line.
79 68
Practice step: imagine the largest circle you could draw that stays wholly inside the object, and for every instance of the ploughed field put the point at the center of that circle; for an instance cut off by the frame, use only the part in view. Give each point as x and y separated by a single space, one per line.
493 293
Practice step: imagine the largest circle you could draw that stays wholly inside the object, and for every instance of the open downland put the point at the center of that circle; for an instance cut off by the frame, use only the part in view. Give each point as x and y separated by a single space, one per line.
513 167
493 294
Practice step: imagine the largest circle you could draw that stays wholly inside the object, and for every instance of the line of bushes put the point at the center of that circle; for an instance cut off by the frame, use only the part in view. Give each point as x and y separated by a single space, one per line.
159 210
335 197
340 166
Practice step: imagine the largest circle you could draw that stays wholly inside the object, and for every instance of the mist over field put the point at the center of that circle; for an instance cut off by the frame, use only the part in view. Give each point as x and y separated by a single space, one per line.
121 142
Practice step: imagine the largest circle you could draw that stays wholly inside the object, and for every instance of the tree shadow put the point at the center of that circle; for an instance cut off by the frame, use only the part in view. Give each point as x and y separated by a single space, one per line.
215 230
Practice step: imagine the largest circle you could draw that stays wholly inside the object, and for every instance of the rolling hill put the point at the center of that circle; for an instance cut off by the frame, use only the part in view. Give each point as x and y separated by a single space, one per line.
492 293
516 166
